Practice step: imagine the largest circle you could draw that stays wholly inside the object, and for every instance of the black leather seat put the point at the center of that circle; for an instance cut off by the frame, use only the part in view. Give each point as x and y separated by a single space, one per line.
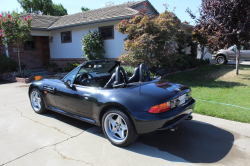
117 78
135 77
144 78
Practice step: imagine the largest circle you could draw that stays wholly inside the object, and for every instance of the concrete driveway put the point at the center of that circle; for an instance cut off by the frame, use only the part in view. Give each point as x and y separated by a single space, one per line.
28 139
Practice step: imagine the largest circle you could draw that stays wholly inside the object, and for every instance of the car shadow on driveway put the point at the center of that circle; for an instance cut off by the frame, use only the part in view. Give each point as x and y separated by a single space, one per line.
194 141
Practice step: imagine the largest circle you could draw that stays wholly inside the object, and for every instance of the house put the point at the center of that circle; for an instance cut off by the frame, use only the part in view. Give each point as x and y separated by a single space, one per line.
58 39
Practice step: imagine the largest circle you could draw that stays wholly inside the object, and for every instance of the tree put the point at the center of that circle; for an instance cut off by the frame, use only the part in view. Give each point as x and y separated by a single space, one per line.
109 3
84 9
14 31
92 45
58 10
150 40
225 22
202 43
46 7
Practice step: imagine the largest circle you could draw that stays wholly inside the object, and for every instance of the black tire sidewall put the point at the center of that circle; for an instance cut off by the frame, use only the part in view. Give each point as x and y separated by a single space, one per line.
43 109
132 134
224 59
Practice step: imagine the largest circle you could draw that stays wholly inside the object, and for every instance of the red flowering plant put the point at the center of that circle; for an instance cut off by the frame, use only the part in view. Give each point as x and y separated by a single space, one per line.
150 40
15 30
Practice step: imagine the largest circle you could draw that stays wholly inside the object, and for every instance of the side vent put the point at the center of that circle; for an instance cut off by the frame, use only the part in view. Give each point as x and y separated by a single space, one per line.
48 88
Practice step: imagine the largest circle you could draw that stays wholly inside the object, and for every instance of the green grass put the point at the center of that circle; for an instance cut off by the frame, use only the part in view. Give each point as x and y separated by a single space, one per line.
218 91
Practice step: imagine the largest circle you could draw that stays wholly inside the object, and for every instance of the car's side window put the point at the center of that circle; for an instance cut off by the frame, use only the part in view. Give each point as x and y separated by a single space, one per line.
71 76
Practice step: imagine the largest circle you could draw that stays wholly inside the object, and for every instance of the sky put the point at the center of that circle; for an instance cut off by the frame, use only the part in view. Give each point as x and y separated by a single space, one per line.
74 6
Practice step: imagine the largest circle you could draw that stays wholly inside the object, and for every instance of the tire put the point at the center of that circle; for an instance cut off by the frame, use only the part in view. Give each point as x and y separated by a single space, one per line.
221 59
36 101
118 128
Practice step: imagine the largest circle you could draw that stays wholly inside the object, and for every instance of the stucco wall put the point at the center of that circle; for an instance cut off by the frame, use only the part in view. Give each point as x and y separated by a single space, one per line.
113 47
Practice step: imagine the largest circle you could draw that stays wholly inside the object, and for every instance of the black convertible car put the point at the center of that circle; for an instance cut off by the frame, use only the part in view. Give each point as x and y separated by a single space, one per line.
99 92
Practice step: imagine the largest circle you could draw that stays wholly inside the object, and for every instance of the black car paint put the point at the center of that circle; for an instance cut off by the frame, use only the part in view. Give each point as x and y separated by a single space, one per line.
90 107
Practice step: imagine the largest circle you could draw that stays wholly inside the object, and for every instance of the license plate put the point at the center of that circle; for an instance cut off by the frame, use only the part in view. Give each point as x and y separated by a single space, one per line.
182 99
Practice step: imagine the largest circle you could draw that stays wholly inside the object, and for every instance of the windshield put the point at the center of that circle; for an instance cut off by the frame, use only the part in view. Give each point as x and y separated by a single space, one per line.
230 48
99 67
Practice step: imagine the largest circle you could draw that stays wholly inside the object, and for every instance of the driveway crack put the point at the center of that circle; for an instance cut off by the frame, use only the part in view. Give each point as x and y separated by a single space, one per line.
48 146
37 121
68 158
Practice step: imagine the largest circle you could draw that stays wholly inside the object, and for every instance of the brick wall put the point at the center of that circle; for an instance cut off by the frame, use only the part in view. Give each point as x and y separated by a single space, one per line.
31 58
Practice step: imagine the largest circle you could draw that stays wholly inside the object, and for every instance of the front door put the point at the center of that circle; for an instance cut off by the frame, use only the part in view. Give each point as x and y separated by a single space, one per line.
45 49
77 99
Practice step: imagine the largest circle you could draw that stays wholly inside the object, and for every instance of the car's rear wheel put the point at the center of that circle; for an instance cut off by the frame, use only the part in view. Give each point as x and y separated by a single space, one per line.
221 59
118 128
37 102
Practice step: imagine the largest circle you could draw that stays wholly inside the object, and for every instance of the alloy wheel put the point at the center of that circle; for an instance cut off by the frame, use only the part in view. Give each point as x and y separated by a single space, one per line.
36 101
116 127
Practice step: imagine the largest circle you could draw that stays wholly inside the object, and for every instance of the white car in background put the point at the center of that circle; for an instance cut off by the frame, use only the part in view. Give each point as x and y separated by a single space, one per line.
222 56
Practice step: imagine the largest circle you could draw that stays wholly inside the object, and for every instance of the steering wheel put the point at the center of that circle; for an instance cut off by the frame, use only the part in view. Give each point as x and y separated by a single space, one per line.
86 81
144 78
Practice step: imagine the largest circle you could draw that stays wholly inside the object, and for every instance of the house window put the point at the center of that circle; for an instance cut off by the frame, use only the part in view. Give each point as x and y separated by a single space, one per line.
66 37
30 44
107 32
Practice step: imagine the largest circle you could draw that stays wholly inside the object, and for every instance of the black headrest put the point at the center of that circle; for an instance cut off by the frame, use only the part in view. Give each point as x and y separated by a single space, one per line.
147 76
136 76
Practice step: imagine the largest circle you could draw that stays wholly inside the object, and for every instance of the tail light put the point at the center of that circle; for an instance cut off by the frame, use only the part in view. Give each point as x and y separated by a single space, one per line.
160 108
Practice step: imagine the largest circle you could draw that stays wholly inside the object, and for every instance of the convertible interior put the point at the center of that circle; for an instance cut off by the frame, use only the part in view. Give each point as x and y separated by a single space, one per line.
109 74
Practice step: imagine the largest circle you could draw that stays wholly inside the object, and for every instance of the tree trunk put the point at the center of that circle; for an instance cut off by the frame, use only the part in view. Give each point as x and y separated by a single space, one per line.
237 59
19 61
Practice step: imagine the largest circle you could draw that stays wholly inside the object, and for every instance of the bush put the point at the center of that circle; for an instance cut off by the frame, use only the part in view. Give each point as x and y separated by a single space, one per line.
92 45
129 70
25 73
49 65
7 64
71 66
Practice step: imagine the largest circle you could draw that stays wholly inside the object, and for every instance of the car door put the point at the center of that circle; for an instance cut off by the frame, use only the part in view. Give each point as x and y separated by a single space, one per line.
245 53
75 99
232 54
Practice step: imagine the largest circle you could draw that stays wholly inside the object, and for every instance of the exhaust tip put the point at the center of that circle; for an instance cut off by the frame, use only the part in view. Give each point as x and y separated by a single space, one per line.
189 118
174 128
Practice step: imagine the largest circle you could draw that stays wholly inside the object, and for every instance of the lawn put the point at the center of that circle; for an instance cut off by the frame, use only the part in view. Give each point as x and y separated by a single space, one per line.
218 91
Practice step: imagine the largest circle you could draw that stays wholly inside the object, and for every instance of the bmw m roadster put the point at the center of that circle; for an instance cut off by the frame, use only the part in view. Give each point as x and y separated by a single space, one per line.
101 93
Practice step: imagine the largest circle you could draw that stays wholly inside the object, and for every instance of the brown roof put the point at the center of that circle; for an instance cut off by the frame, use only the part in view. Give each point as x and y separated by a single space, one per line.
116 12
41 21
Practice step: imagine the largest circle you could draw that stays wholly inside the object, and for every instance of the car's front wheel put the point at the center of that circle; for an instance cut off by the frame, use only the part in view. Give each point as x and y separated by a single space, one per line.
118 128
221 59
37 102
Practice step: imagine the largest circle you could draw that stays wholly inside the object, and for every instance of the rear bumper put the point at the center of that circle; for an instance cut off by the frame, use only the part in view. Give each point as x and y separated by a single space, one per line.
146 122
214 57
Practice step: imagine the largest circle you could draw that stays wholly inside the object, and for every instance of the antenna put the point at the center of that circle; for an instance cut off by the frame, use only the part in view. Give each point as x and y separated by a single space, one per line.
140 89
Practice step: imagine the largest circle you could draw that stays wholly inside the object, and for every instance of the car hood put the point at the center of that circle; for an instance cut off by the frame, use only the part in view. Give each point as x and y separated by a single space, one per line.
163 90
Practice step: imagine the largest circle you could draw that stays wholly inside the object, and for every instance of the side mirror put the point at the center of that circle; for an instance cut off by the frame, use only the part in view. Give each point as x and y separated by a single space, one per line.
68 83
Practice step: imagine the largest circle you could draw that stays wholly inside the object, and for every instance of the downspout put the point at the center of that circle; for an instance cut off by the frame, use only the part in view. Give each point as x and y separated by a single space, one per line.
6 50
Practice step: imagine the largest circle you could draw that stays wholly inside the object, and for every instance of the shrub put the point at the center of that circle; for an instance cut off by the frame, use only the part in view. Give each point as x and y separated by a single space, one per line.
25 73
92 45
49 65
71 66
129 70
7 64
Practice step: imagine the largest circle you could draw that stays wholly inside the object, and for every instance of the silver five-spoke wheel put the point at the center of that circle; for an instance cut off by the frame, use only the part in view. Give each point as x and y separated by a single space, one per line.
116 127
36 101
